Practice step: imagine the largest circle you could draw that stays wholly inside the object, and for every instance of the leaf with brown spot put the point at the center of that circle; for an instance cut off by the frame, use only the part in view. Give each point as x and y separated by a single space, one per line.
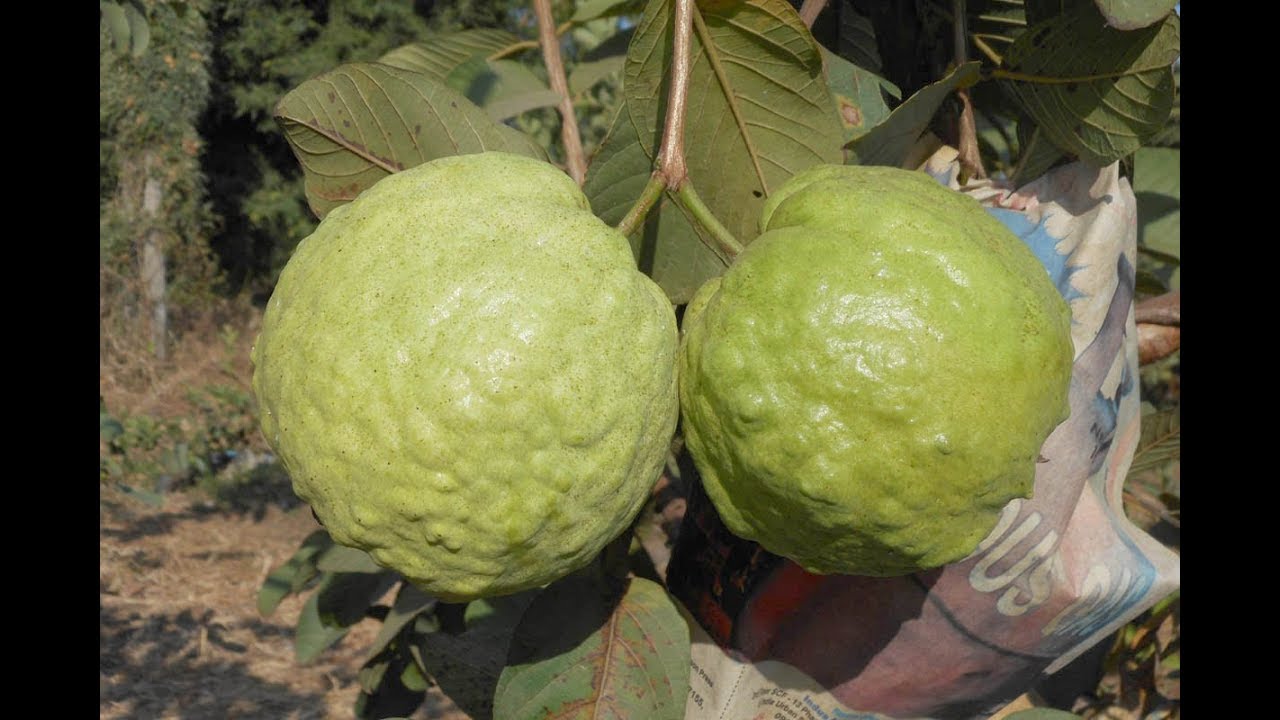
578 654
381 120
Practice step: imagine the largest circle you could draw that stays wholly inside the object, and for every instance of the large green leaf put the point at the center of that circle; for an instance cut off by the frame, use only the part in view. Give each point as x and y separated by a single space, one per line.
667 247
410 602
467 666
859 95
1098 93
312 636
574 655
592 9
1157 185
1134 14
504 88
440 56
295 574
758 110
889 142
587 74
360 122
857 38
344 599
1159 442
340 558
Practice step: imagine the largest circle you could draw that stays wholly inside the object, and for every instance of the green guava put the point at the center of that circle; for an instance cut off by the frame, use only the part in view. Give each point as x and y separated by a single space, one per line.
870 382
466 376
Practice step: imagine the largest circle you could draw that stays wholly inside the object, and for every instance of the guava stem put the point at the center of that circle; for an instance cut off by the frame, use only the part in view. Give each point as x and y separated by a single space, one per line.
671 162
809 11
569 136
648 197
969 155
723 243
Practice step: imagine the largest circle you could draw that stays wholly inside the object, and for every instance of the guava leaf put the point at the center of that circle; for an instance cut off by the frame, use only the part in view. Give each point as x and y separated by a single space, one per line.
410 602
340 558
858 94
294 574
857 39
1159 442
586 74
466 666
1157 184
1037 156
667 247
1134 14
576 655
592 9
345 598
440 56
360 122
889 142
504 88
759 110
312 636
1098 93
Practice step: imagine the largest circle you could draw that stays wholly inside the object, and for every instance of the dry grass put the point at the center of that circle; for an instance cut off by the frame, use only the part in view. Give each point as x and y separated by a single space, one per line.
180 635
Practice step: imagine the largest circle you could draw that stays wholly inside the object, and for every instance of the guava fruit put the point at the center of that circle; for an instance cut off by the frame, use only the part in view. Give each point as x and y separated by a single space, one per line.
870 382
466 376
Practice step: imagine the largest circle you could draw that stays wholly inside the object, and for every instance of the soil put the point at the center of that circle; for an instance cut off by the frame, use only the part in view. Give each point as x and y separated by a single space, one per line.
181 637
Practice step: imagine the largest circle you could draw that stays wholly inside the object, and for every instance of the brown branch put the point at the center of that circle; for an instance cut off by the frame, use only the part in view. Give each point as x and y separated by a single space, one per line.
671 160
1156 342
810 10
970 157
1160 310
555 70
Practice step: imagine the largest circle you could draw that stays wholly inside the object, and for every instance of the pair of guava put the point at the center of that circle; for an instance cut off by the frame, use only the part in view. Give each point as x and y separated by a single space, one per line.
466 375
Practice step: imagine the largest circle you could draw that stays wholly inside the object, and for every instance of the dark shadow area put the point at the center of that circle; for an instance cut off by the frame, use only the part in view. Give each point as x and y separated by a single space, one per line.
263 486
153 667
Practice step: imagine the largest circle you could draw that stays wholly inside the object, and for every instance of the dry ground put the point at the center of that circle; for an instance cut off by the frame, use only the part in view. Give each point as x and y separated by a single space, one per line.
181 638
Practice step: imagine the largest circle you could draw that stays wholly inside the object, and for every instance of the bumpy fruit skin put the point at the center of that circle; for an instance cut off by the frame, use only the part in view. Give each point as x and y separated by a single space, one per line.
870 382
466 376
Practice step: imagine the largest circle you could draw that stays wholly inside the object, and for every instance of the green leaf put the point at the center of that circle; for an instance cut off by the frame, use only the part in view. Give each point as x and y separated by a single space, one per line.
1037 157
666 247
413 679
996 24
1160 441
574 655
889 142
504 88
360 122
467 666
117 25
1041 714
410 602
139 30
759 110
857 39
592 9
858 95
1098 93
1157 184
343 559
312 636
440 56
345 598
294 574
586 74
1134 14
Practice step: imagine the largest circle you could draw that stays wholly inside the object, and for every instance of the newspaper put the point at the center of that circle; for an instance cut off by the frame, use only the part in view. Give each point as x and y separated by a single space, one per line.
1060 571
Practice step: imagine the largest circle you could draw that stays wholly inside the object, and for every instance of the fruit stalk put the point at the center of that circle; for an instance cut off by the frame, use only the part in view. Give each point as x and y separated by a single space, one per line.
569 136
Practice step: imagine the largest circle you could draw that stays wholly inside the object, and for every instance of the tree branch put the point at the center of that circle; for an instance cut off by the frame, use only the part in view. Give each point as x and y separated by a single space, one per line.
809 11
1160 310
1156 342
671 163
967 145
569 136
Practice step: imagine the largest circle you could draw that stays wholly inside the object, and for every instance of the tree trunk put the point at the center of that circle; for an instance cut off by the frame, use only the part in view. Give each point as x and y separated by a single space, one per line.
152 259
